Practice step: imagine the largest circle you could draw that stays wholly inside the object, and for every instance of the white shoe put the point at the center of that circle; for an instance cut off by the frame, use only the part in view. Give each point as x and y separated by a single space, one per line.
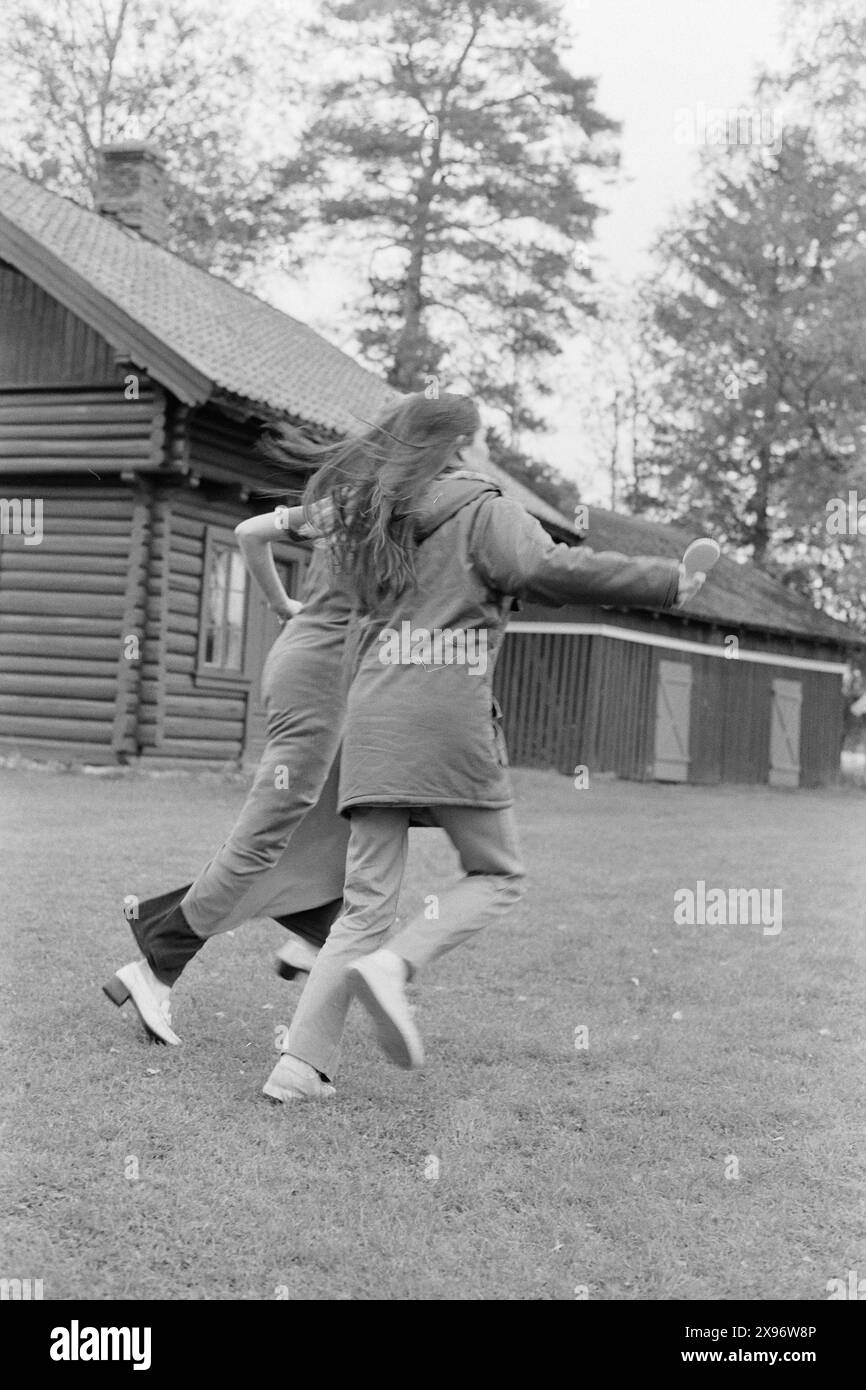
295 957
292 1079
150 996
379 983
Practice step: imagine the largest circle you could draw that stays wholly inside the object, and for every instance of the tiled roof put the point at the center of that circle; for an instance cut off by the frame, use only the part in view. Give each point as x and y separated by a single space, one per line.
238 342
219 339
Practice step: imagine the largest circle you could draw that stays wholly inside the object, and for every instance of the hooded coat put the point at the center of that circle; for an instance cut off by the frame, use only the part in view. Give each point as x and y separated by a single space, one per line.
422 726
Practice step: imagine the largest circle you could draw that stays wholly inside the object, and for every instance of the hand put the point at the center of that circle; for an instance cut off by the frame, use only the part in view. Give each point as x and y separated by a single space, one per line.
288 610
689 585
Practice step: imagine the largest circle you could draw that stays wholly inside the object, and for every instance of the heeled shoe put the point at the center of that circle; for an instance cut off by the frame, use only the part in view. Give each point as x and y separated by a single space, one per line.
137 982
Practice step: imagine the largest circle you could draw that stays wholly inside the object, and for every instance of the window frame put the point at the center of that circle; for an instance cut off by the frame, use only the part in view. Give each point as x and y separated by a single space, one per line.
206 674
255 611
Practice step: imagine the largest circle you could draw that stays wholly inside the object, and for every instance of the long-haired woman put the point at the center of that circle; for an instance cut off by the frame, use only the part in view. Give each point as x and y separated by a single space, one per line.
435 570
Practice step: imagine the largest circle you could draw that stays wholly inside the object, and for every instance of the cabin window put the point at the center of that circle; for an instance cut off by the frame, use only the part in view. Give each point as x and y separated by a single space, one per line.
222 638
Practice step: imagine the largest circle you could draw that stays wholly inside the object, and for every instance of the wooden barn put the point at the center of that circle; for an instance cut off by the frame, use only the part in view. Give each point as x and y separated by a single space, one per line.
133 392
744 687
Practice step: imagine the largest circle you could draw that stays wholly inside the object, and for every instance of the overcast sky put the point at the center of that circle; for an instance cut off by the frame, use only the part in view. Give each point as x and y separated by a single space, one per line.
653 58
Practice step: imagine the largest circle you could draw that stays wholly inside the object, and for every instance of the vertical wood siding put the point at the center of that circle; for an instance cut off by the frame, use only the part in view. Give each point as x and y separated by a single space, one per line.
43 344
821 728
571 700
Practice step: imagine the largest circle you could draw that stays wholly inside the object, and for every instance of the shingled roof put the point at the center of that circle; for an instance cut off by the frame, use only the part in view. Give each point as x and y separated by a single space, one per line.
193 331
204 339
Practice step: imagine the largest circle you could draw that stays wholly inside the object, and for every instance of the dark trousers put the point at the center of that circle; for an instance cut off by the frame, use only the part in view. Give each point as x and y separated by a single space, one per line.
169 943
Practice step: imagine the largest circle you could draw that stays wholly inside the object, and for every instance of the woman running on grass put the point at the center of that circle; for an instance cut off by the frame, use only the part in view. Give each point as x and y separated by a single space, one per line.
421 738
286 852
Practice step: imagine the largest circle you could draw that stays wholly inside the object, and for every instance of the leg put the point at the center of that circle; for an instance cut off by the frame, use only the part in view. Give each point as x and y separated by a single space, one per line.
490 854
168 944
303 891
305 698
164 936
310 871
314 924
374 872
487 844
304 728
289 782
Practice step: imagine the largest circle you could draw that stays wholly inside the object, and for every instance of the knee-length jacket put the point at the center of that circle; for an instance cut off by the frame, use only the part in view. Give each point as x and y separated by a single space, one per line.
421 727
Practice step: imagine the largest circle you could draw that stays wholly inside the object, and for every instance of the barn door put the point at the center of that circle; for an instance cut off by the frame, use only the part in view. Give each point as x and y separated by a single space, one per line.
785 733
673 717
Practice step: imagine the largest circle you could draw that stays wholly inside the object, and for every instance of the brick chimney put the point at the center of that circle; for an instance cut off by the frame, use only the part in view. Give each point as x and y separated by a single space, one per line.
131 188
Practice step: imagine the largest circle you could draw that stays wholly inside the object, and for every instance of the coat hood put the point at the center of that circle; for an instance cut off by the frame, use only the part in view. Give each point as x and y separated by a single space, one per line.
448 494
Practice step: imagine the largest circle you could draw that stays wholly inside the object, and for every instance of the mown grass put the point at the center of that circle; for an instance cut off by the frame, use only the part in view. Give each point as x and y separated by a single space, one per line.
560 1168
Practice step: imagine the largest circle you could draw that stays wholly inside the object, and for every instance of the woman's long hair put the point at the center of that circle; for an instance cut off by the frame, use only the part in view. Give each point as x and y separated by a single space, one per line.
374 483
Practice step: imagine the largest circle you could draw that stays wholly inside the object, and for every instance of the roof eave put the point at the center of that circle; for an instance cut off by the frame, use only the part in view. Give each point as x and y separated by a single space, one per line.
128 337
833 639
246 408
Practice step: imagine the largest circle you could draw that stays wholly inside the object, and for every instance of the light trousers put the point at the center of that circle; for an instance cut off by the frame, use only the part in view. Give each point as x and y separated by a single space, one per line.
487 844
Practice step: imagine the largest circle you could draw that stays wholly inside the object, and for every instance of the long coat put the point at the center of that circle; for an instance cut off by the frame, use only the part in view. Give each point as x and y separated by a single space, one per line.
296 784
421 723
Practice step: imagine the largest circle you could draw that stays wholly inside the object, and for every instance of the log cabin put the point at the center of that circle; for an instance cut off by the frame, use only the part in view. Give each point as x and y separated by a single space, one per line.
134 389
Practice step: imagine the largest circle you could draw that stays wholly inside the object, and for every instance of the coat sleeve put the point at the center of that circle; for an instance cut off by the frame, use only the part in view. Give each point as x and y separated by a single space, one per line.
515 555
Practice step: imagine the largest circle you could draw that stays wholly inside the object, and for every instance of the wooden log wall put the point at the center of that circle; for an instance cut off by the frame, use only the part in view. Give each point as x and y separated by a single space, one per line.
185 718
99 433
65 607
228 450
184 714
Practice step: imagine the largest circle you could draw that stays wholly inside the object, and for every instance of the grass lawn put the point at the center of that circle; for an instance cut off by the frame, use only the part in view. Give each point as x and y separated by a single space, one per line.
705 1144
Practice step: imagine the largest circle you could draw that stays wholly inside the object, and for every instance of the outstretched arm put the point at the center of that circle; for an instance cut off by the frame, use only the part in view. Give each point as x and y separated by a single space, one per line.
516 556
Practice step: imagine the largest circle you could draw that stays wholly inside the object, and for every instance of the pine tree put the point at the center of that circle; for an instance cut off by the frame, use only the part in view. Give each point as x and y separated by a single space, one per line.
454 142
761 341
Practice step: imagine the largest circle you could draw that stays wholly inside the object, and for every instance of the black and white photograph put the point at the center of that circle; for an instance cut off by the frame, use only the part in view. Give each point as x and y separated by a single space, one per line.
433 668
